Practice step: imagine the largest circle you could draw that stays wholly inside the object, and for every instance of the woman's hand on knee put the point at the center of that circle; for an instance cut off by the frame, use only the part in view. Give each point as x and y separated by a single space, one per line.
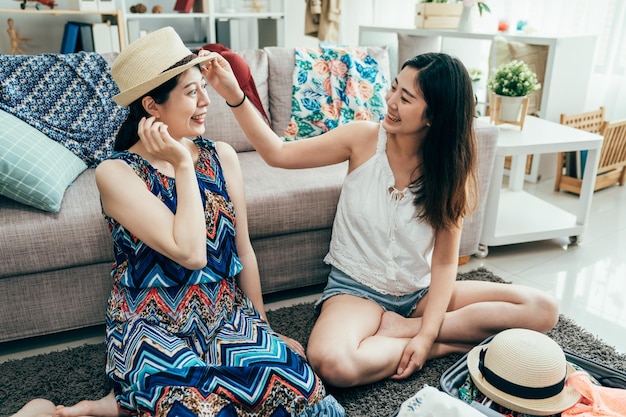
413 358
293 344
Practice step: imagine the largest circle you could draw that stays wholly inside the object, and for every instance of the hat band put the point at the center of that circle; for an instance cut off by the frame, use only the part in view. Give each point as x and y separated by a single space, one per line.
183 61
520 391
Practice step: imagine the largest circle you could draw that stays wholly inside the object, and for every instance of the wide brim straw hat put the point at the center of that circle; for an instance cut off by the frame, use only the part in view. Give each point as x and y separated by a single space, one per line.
147 63
525 371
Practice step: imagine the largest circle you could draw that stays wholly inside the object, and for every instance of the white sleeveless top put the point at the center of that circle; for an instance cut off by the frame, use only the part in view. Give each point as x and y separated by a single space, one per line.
377 238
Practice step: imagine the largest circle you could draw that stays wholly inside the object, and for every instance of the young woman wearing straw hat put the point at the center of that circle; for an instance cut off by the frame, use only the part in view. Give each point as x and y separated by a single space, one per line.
186 331
392 300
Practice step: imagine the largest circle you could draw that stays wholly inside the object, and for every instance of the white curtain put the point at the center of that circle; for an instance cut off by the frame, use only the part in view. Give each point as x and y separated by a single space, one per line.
604 18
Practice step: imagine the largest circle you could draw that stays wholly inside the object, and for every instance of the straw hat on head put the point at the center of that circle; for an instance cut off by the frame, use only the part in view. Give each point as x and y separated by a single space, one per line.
147 63
525 371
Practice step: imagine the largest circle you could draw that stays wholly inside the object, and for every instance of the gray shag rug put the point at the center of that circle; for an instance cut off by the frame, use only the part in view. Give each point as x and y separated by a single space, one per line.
69 376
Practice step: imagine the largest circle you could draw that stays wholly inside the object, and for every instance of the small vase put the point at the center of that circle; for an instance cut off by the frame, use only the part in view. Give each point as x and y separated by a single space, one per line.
511 108
469 19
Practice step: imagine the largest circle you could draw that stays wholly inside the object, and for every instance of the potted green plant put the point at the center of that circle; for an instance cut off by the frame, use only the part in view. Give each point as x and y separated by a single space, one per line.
513 79
510 85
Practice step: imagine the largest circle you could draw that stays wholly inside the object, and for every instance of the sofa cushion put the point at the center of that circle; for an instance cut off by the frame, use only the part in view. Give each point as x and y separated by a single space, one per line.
282 201
34 241
281 63
34 169
221 125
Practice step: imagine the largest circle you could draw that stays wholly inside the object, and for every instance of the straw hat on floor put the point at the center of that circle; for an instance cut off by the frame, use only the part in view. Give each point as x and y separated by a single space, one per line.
525 371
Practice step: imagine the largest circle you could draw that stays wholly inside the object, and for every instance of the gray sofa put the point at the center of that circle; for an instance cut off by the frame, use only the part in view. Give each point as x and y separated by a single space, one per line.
55 269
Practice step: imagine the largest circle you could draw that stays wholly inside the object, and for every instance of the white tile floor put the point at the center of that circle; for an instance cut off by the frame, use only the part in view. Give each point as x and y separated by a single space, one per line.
588 279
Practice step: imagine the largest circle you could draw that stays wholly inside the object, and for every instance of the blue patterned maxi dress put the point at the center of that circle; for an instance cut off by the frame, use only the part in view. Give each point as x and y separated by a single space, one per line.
186 342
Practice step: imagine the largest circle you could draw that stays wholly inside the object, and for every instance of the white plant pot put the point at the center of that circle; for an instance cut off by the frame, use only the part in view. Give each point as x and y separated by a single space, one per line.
511 108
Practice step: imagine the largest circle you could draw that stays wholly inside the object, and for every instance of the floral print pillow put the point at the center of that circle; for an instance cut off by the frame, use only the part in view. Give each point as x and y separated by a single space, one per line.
333 85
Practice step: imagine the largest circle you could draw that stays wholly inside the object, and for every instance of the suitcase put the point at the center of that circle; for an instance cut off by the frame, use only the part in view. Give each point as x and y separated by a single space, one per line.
454 376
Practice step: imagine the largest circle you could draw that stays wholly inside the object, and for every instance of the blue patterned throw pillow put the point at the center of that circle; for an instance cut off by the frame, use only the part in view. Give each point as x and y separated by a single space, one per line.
333 85
67 97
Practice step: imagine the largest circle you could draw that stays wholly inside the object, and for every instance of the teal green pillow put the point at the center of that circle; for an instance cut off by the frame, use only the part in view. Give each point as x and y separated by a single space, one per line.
34 169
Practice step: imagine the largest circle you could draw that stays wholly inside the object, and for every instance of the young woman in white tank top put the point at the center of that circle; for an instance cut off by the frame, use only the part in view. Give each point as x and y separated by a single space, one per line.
396 236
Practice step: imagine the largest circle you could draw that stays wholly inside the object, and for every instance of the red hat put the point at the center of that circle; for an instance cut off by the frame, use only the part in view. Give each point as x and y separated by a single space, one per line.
242 74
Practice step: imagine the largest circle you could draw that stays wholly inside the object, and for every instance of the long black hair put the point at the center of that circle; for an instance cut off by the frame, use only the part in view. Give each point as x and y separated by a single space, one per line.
446 191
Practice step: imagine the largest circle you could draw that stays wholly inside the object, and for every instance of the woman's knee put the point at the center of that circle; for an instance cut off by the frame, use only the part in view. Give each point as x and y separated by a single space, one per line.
545 309
36 408
334 369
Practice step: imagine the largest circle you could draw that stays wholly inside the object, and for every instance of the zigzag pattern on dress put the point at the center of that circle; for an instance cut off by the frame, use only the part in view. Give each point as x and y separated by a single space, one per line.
169 343
183 310
145 267
189 343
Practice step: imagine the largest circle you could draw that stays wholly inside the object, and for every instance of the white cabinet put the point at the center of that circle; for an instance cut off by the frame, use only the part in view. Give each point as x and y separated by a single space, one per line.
243 24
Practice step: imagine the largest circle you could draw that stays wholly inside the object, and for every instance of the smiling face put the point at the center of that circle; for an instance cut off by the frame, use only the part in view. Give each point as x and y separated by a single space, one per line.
185 110
406 106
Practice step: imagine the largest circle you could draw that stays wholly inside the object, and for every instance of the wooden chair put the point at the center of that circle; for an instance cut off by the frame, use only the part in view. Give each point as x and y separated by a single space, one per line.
590 121
612 165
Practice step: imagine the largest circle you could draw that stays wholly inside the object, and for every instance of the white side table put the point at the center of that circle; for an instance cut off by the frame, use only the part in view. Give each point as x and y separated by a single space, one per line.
513 215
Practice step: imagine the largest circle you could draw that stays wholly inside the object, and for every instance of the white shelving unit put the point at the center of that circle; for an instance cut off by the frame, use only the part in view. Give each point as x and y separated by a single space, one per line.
64 16
248 29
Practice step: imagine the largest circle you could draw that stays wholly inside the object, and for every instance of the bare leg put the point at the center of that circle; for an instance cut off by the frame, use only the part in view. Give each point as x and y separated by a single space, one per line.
343 347
478 310
354 342
36 408
104 407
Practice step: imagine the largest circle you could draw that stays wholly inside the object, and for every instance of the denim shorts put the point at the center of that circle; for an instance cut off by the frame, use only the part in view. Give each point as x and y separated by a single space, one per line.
340 283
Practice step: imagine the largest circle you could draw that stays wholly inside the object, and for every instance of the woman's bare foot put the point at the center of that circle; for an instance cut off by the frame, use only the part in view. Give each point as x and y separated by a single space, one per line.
36 408
394 325
104 407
